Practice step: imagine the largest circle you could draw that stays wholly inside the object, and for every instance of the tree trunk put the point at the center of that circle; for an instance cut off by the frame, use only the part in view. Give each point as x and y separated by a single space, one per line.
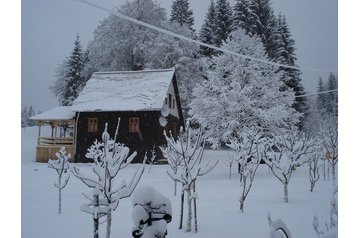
181 210
285 188
95 217
324 171
190 213
109 224
241 205
195 211
59 195
333 173
175 187
230 171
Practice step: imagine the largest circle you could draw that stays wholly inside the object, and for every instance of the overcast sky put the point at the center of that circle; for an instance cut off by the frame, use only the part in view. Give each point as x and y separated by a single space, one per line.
48 29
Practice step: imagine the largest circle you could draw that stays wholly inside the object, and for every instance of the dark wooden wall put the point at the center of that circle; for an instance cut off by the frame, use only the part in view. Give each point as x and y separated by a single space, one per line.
152 132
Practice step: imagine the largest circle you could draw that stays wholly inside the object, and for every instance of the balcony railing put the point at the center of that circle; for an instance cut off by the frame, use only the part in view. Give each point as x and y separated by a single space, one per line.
55 141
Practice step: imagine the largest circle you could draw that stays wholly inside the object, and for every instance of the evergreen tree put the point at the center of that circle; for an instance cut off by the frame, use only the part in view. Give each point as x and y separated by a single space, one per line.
264 24
207 31
70 76
321 98
74 74
31 113
332 97
182 14
223 21
243 17
24 117
284 53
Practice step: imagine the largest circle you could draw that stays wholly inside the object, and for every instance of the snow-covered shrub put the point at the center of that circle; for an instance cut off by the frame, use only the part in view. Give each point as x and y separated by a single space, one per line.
61 166
151 213
185 157
330 230
278 229
285 154
109 159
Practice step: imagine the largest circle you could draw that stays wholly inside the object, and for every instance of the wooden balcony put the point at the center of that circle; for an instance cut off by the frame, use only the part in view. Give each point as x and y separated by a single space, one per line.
47 147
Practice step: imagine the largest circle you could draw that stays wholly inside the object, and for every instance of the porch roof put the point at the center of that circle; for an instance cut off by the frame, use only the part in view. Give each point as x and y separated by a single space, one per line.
57 113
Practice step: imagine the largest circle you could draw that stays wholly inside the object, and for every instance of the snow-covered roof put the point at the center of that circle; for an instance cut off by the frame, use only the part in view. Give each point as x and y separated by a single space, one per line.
125 91
57 113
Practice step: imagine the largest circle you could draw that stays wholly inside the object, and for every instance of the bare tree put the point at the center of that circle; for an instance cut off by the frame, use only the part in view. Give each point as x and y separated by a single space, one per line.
285 154
314 166
229 162
61 166
151 159
247 149
109 159
175 160
329 136
189 148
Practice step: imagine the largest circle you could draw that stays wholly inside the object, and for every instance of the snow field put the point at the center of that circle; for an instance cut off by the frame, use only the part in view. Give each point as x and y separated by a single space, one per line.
218 205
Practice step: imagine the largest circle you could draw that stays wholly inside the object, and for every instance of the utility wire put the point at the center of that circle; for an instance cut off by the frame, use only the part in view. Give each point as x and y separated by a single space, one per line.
133 20
312 94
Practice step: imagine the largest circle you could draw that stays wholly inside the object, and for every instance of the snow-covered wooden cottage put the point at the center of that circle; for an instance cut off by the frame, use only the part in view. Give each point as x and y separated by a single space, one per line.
138 98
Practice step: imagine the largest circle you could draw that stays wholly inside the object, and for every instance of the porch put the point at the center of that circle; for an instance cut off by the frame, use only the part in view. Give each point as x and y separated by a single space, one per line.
56 130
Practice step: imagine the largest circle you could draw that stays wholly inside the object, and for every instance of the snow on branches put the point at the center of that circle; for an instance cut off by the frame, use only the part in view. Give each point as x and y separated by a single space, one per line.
246 94
248 148
185 158
285 154
109 159
61 166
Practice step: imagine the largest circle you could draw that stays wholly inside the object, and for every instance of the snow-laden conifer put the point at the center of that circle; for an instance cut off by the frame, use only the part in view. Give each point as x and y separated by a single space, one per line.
242 16
61 166
207 32
223 21
182 14
109 158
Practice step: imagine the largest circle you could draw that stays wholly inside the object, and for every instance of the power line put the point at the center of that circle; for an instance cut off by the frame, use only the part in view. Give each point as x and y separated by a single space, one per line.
133 20
312 94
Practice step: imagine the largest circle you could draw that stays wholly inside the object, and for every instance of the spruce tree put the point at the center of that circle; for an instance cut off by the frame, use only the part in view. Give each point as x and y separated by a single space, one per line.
24 117
207 31
243 17
223 21
284 53
321 98
74 74
264 24
332 97
182 14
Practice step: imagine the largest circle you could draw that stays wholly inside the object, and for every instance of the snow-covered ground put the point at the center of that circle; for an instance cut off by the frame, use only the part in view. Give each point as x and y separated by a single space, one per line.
218 206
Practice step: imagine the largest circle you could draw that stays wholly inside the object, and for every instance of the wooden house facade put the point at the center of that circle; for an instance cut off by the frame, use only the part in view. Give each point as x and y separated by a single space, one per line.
147 102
